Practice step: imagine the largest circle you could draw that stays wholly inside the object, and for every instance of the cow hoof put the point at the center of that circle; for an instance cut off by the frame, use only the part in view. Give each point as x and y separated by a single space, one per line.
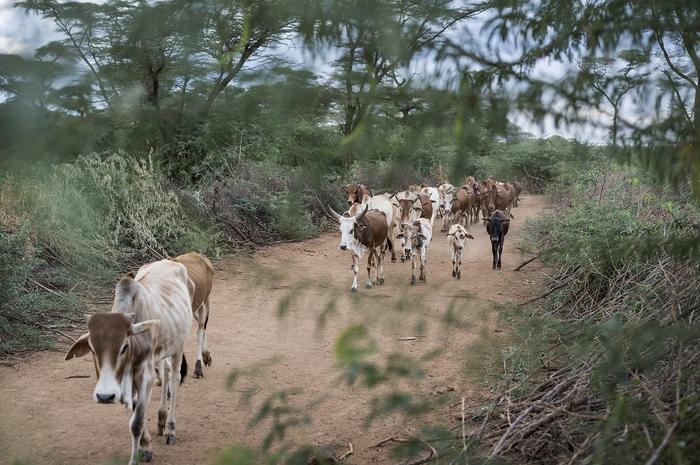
170 439
454 275
353 289
146 455
206 358
459 275
393 259
381 281
158 382
368 286
198 373
413 281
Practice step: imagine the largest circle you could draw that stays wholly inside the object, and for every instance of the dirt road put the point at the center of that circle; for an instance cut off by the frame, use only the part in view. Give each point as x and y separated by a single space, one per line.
275 320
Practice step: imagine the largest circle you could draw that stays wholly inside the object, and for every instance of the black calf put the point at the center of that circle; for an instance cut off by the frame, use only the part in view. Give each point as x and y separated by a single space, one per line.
497 227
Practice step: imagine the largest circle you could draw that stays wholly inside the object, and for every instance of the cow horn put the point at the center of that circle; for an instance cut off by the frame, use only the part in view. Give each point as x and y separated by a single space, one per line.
334 214
361 215
392 196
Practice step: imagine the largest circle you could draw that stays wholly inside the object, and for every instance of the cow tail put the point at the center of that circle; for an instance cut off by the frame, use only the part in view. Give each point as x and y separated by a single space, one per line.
183 369
389 245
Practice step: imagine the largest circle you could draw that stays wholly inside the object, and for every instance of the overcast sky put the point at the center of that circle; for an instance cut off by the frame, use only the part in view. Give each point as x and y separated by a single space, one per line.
21 34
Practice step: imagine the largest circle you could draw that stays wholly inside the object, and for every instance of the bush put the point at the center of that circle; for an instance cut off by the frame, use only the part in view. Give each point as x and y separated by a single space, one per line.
27 309
620 350
103 213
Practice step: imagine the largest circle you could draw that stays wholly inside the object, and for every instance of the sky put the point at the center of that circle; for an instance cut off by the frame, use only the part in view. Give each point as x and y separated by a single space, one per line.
21 33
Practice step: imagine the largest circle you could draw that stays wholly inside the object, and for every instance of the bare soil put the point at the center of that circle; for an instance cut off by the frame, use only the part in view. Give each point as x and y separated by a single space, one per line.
275 319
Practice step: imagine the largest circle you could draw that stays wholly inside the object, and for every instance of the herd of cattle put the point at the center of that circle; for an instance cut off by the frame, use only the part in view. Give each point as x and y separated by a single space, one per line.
142 341
403 222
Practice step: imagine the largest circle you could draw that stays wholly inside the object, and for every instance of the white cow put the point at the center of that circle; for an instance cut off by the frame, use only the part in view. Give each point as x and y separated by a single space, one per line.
456 238
415 239
150 320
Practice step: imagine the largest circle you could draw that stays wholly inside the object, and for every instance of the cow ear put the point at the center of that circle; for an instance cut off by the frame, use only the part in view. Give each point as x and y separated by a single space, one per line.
139 328
399 236
469 236
130 274
79 347
422 237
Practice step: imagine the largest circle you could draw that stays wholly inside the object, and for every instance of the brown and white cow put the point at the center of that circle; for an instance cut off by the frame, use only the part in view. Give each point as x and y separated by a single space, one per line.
150 320
433 195
365 232
465 200
415 240
201 273
456 239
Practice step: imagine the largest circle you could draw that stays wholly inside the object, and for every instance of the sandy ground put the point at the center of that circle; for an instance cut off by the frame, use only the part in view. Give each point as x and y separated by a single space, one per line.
275 320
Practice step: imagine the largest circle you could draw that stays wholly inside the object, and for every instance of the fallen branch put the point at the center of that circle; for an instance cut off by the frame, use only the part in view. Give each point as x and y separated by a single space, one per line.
529 260
34 323
350 451
432 456
542 296
408 338
657 452
77 377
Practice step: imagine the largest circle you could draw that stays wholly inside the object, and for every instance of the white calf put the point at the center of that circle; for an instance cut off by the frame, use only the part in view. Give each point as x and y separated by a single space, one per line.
456 238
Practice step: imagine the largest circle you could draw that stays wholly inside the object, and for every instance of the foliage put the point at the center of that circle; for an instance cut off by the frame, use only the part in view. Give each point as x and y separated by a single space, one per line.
33 296
102 213
617 336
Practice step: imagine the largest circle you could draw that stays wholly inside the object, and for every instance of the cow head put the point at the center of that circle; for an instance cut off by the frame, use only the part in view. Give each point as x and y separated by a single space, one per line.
350 228
492 193
411 237
410 209
459 235
357 192
497 225
109 339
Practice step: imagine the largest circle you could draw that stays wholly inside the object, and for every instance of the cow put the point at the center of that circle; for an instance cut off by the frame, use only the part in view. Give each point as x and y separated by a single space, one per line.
497 198
446 191
518 190
366 231
465 199
434 196
356 193
150 320
497 228
456 238
201 273
415 239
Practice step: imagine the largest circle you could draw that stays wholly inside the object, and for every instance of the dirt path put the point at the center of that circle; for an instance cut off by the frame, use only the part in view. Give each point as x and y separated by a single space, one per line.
276 317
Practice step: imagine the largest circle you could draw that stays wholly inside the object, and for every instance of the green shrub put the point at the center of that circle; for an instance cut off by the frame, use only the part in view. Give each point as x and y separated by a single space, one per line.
103 213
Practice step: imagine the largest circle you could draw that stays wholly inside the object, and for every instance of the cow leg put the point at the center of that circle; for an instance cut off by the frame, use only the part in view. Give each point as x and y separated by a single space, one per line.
140 438
500 252
494 252
206 355
413 269
423 264
163 407
454 263
459 264
201 316
355 271
174 383
380 266
370 259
